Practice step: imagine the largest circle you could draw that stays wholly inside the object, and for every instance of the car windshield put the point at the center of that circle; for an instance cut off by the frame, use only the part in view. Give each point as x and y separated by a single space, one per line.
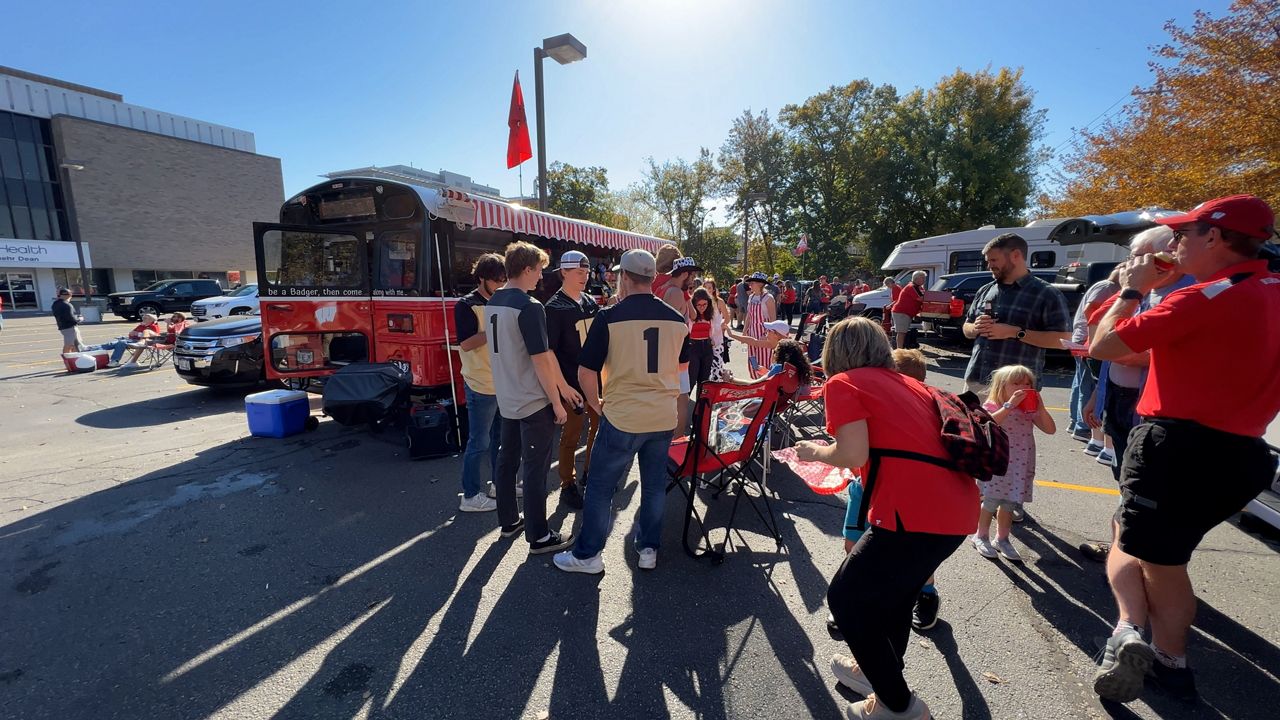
246 290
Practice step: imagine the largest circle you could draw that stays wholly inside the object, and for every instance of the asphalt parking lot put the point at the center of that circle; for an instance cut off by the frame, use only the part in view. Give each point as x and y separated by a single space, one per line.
161 563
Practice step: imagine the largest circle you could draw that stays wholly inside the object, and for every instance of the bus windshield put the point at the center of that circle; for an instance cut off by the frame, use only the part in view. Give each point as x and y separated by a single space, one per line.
313 259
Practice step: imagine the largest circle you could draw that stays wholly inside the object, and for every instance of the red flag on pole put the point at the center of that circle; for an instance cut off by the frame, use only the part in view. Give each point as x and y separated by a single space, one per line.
518 148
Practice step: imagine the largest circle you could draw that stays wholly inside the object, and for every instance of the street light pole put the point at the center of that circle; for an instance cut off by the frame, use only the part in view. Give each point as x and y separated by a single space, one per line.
564 49
73 226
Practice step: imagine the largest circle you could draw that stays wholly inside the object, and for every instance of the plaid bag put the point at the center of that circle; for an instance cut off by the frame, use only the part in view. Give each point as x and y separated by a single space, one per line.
974 441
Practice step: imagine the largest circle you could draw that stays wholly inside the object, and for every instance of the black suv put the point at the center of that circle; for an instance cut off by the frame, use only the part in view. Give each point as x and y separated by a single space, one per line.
163 297
221 353
965 285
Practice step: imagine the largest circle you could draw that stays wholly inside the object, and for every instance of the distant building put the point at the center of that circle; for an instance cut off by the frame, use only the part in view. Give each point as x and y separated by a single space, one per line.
152 195
416 176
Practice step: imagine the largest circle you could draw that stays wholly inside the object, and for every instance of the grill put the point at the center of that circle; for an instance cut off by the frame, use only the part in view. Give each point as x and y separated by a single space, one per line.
197 348
199 310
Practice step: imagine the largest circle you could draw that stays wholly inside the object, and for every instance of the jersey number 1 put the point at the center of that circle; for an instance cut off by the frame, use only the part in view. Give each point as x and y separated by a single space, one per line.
493 336
651 343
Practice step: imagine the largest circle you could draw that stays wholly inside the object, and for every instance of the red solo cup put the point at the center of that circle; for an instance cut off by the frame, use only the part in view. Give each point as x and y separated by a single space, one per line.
1164 261
1030 401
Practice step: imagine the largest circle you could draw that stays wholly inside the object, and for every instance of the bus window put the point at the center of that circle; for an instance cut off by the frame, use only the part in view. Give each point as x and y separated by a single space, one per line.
397 263
467 248
1044 259
967 261
313 259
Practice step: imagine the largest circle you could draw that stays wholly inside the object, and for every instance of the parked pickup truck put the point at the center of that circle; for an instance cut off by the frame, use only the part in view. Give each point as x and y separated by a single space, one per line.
166 296
959 290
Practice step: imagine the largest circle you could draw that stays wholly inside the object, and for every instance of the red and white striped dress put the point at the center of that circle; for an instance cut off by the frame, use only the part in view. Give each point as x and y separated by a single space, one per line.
762 356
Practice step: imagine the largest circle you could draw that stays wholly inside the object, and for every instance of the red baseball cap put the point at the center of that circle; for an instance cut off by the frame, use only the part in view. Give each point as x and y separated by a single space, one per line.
1243 213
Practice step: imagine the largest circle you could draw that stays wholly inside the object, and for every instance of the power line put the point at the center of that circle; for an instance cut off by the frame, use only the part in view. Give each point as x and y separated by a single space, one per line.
1090 124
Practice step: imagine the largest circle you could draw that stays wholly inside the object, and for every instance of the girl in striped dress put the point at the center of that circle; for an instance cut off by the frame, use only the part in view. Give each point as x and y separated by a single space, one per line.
760 310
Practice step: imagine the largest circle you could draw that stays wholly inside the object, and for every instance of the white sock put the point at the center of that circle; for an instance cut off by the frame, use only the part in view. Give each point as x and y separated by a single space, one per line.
1123 625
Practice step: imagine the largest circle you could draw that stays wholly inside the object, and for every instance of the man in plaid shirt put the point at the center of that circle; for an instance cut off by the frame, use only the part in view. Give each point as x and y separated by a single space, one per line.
1014 319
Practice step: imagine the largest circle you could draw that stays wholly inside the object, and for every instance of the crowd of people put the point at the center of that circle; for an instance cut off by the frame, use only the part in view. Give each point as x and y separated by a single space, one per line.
148 332
1149 398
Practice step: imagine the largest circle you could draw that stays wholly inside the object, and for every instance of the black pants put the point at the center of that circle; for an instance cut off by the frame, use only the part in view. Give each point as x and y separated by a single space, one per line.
527 444
700 356
788 312
1119 415
872 595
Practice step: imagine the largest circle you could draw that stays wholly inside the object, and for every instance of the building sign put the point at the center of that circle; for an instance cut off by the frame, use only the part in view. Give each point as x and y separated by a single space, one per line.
37 253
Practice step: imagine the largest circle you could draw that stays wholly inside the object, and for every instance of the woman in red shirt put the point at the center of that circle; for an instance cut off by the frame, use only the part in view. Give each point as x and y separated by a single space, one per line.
919 512
788 302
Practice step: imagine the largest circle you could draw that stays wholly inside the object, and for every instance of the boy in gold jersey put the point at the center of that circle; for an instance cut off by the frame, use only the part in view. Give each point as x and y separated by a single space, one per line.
641 345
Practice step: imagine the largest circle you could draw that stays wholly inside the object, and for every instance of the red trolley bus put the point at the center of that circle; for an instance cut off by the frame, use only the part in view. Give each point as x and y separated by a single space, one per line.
363 269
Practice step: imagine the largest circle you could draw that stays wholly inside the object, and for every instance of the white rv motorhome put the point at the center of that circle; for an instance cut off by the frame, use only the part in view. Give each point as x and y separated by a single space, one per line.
962 252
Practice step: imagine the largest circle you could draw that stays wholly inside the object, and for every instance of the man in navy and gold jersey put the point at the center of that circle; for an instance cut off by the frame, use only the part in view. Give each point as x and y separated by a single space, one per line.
531 397
569 314
641 345
482 402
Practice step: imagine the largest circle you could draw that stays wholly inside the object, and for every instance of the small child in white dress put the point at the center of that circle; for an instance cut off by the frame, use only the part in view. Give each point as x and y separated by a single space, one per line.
1015 404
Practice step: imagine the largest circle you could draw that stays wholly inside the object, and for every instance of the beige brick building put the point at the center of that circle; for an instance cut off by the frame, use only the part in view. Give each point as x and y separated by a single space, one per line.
149 194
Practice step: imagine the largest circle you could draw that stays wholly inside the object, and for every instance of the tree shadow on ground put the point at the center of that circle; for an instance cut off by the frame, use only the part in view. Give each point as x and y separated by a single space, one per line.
320 576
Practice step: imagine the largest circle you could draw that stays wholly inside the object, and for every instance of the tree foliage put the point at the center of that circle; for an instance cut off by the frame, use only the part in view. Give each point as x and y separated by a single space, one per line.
1208 126
579 192
676 191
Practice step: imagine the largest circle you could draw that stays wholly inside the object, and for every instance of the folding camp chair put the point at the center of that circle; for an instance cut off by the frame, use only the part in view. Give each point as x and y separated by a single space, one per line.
727 452
804 417
154 354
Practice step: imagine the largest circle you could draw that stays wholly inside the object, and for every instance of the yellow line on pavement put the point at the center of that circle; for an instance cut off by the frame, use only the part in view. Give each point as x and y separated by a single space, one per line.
1050 407
1081 488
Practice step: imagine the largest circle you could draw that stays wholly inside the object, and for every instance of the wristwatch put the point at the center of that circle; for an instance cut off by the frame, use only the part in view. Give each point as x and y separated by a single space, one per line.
1007 406
1130 294
1021 334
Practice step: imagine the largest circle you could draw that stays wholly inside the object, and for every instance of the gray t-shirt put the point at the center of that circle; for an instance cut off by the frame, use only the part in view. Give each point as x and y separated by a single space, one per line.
516 325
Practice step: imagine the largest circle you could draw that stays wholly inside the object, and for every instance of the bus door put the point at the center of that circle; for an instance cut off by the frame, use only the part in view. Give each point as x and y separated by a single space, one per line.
412 308
315 298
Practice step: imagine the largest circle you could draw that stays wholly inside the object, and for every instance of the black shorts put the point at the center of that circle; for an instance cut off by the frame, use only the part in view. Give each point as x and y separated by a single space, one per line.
1179 480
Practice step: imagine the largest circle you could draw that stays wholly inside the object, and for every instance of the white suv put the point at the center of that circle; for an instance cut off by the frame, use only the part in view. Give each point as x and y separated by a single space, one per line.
241 301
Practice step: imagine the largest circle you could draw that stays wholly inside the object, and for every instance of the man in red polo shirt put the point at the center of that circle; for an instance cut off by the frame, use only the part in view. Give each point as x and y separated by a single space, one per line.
1198 456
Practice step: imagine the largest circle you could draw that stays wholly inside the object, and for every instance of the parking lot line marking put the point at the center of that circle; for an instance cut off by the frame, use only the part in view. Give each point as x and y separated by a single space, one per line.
1081 488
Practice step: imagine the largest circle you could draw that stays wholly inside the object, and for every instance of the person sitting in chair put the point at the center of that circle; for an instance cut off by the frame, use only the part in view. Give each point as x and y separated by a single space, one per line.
147 328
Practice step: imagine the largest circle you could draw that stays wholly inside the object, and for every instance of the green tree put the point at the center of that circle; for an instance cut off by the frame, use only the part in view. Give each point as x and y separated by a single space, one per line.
676 191
756 159
717 252
579 192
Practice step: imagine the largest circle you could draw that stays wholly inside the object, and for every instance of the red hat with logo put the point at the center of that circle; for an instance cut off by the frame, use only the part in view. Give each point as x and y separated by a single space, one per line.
1243 213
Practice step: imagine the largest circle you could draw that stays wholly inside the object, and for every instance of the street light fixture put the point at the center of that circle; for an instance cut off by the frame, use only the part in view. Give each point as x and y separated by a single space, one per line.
564 49
702 228
64 168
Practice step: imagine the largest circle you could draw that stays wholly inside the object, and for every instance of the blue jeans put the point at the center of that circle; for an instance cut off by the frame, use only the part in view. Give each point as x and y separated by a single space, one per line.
1082 386
609 461
117 348
482 438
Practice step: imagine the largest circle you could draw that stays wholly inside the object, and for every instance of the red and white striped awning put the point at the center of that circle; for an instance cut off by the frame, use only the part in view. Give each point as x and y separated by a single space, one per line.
498 215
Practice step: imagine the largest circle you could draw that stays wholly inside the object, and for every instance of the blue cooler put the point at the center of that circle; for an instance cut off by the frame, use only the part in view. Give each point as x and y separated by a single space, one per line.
277 413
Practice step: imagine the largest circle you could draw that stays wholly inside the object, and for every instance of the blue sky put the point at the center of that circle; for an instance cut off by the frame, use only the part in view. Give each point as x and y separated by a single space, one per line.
335 85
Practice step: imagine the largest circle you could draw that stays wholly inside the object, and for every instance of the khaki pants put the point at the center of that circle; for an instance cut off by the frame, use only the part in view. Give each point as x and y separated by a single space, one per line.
569 437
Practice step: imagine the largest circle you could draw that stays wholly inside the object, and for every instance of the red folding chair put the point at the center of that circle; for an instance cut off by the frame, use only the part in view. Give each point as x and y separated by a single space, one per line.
805 416
727 452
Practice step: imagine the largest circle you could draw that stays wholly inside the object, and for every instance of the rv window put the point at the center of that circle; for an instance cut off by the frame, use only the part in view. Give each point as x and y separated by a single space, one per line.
1044 259
967 261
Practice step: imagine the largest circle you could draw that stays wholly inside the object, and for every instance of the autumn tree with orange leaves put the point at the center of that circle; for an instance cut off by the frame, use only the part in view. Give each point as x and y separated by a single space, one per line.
1208 126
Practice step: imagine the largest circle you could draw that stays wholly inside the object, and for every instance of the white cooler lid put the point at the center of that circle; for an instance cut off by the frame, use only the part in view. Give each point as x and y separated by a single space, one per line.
274 397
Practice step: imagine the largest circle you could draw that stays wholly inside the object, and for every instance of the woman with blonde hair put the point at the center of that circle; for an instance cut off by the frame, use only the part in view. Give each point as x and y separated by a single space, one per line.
919 511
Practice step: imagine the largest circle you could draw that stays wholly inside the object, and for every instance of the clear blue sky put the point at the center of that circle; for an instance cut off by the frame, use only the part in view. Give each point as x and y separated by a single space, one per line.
335 85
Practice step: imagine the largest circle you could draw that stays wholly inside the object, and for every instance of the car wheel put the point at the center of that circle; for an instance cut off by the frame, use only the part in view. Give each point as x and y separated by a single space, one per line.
240 311
149 308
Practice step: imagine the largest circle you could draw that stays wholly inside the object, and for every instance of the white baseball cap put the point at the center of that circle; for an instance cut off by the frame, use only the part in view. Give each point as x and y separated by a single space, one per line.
572 260
779 326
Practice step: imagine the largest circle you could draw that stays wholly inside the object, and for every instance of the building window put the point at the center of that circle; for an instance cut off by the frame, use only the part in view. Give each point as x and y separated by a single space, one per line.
31 205
18 290
70 278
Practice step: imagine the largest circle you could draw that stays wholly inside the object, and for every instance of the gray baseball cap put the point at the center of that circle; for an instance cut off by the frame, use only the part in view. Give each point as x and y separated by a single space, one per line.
639 262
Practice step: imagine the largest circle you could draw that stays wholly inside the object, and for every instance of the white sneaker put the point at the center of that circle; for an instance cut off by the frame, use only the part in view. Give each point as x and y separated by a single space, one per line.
1007 549
850 675
1093 448
983 546
113 363
872 709
1107 457
648 558
567 562
478 503
129 365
